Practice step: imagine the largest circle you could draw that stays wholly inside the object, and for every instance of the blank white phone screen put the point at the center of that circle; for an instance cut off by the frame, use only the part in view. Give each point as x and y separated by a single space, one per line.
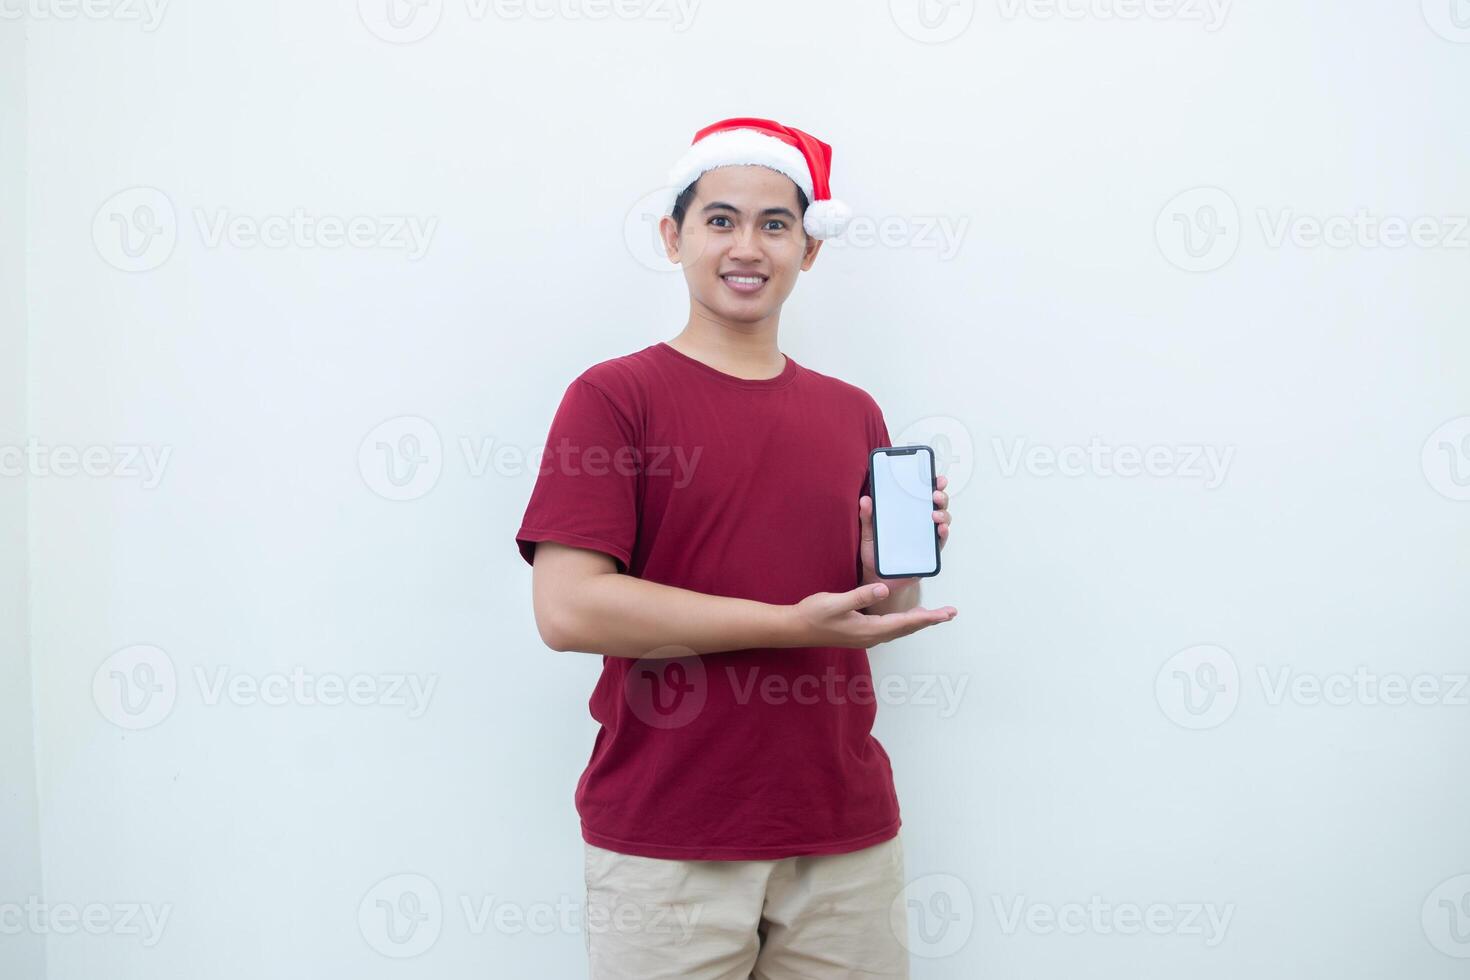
903 508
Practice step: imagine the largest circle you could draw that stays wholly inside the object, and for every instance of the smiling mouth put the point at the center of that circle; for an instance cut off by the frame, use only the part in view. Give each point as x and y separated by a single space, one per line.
744 284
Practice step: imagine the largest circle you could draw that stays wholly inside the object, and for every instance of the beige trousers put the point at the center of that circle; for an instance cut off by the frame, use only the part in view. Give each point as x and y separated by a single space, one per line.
826 917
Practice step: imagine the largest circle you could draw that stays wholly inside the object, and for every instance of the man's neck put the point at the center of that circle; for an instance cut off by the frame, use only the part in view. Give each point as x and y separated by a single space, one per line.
746 351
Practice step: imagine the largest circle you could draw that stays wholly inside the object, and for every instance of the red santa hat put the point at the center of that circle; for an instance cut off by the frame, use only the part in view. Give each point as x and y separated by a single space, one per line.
767 143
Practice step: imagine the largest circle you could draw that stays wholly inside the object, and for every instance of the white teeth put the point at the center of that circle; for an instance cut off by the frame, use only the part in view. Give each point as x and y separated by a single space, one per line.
748 280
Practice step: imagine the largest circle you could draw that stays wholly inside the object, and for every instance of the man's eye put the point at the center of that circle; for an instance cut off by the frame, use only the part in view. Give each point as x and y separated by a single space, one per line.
780 225
718 217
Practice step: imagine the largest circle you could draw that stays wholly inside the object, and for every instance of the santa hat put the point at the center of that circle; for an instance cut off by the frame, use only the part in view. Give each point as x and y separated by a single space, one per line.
800 156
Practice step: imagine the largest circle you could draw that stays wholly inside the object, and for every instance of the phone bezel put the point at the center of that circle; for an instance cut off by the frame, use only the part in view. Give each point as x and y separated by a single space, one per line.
873 496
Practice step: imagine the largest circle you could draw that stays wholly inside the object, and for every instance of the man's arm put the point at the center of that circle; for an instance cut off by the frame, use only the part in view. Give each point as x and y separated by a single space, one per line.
583 603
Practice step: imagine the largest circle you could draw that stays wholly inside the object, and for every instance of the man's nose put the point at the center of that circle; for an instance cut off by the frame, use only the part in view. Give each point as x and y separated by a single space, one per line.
744 244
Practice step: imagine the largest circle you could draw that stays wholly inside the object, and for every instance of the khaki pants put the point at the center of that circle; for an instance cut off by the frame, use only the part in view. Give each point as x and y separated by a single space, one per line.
826 917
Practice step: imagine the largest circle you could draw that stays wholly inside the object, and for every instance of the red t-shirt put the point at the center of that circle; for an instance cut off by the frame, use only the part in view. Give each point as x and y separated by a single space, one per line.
694 478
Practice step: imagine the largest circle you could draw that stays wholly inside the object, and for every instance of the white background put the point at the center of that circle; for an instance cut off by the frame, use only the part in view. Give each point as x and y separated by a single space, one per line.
1083 759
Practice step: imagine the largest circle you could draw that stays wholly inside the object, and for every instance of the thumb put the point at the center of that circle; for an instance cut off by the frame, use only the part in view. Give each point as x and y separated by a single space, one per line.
864 596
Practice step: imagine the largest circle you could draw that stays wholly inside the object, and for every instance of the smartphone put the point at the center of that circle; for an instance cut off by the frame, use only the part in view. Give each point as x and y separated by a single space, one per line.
905 536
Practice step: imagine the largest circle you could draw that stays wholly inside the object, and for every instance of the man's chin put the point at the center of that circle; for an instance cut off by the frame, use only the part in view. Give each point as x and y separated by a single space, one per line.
741 312
747 311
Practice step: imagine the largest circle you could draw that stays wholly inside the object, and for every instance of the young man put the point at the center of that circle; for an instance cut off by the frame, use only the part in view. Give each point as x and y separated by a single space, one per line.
701 520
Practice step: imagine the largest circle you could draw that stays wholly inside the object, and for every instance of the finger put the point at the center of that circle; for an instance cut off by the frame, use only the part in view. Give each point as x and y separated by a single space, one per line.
941 499
907 626
913 620
865 516
865 595
941 517
941 483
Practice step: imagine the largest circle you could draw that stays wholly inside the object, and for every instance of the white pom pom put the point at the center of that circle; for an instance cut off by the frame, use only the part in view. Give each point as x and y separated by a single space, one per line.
826 219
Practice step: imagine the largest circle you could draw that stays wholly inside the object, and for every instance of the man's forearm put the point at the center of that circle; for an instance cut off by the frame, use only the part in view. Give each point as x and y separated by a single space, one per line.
624 616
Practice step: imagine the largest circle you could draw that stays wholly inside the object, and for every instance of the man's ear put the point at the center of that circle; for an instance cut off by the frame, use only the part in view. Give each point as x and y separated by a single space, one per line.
813 245
669 232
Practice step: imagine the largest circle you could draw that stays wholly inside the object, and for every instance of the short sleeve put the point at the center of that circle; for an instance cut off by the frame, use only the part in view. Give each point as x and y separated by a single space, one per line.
586 492
877 436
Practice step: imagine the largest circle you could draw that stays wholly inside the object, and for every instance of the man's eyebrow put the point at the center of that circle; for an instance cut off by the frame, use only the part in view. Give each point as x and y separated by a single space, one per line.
722 206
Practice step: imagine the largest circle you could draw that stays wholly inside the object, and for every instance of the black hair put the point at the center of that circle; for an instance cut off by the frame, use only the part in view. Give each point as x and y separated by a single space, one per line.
686 197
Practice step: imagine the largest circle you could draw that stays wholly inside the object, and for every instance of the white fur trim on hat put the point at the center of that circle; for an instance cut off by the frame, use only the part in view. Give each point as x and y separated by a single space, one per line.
734 147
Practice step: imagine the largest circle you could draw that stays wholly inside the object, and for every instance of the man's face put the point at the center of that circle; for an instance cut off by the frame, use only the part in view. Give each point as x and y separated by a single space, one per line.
743 224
